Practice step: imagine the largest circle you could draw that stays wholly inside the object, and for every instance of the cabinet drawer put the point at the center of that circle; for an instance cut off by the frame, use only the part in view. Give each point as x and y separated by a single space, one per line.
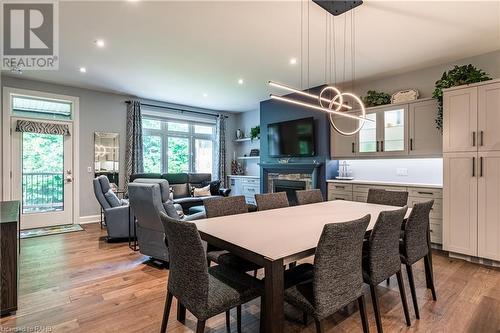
339 196
250 181
436 231
365 188
250 199
250 190
360 196
437 208
340 187
421 192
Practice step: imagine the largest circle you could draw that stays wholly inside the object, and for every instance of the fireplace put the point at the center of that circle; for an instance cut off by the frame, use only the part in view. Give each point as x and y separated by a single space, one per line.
289 186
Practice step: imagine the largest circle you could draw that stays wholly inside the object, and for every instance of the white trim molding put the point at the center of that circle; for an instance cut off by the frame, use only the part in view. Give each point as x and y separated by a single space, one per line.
89 219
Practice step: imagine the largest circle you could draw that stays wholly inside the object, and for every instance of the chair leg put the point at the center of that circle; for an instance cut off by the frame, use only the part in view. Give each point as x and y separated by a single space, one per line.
403 297
319 326
181 312
166 312
362 313
428 268
255 273
228 320
388 281
409 272
238 318
376 308
200 326
304 318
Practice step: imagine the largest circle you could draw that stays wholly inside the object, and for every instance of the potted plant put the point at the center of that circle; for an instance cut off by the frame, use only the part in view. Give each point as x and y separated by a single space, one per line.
255 132
375 98
457 76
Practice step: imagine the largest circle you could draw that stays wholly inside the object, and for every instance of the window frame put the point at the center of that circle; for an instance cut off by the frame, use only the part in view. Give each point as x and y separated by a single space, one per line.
164 133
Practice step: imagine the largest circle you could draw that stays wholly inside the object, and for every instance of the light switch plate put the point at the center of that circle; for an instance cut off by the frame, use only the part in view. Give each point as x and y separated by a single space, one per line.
89 169
402 172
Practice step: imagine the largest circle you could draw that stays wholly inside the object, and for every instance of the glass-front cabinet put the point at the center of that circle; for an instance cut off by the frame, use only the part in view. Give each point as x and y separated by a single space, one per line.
368 135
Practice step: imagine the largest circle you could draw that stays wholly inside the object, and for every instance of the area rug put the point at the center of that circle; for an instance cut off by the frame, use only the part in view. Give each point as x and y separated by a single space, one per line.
60 229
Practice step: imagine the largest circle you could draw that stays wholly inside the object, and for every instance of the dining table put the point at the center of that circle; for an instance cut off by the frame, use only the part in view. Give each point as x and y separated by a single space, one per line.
277 237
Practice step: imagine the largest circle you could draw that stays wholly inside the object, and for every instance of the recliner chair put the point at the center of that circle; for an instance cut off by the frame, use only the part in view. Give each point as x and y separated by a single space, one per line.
116 211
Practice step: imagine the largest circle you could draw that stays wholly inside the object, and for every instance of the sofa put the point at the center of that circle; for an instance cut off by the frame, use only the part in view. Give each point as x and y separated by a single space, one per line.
117 214
181 184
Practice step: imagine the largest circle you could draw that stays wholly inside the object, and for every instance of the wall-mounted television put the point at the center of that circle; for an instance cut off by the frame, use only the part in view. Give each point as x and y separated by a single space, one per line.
294 138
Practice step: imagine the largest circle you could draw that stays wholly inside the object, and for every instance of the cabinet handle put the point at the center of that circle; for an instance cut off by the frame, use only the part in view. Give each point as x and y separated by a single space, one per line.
481 166
481 137
377 146
411 144
473 167
381 145
474 139
428 193
340 186
353 151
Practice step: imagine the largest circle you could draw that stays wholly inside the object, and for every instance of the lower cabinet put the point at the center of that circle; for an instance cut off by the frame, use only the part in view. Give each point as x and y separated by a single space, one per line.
247 186
359 193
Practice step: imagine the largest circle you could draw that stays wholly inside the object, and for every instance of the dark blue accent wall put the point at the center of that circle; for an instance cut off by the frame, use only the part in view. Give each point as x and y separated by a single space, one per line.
272 111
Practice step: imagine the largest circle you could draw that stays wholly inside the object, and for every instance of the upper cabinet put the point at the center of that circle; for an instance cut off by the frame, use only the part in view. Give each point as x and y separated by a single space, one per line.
488 117
395 130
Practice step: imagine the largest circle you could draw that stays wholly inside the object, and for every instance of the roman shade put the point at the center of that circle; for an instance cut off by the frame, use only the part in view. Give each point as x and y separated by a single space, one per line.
42 128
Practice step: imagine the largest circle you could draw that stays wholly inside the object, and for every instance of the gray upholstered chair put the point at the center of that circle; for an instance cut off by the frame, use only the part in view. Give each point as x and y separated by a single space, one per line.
306 197
271 201
389 198
381 258
204 291
116 211
337 275
223 206
414 246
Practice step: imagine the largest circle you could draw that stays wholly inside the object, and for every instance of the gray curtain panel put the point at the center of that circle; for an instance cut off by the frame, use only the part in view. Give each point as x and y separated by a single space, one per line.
42 128
133 153
220 157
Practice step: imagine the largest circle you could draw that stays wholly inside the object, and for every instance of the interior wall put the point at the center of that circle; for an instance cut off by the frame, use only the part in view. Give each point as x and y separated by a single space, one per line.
103 112
245 121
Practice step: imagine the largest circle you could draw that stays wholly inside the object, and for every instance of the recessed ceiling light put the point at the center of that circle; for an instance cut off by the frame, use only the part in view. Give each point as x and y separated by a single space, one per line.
205 95
83 70
293 61
240 81
99 42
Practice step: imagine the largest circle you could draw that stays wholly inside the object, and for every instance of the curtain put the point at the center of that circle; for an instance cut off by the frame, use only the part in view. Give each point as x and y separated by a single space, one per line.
42 128
220 152
133 153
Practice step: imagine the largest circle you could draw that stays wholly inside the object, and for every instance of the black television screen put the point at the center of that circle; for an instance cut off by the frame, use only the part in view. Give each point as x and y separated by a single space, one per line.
291 138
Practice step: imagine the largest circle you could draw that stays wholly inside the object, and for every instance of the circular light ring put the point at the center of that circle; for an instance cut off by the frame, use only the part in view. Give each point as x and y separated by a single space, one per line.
338 95
360 122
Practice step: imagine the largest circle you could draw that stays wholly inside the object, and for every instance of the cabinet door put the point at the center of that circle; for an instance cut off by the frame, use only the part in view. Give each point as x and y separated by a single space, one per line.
235 186
368 136
342 145
489 117
393 130
460 203
425 138
488 205
460 120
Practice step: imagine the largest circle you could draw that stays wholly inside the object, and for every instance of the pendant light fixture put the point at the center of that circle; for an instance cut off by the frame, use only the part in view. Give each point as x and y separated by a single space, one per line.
330 99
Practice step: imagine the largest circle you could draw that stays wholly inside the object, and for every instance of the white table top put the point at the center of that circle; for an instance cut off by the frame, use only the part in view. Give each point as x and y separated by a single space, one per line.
280 233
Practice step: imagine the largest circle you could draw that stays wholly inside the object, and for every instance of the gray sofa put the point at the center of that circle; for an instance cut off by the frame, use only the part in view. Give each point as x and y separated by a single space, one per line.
148 198
116 211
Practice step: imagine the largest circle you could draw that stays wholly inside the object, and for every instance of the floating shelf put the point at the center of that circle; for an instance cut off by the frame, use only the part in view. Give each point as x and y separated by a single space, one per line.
247 157
245 140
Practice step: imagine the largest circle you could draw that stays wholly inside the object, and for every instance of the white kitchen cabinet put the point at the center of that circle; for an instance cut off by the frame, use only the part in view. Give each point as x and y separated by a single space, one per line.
342 145
247 186
425 138
488 116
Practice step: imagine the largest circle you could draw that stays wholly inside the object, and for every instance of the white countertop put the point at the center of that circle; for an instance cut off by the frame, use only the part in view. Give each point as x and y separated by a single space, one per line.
243 176
383 183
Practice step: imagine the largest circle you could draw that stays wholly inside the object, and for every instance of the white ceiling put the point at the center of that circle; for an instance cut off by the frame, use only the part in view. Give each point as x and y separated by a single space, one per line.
178 51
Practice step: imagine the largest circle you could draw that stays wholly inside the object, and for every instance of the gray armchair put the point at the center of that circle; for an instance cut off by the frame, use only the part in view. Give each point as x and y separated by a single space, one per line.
116 211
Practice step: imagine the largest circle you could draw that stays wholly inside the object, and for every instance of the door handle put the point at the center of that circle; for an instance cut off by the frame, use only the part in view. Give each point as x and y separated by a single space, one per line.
481 138
481 166
69 179
473 138
377 146
353 151
411 144
382 145
473 167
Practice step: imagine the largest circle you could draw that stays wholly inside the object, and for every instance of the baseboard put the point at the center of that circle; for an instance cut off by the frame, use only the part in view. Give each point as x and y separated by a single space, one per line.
89 219
475 260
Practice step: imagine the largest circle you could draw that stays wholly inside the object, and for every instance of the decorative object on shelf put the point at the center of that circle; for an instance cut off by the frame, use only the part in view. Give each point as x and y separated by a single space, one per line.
283 160
331 100
236 168
375 98
457 76
344 172
239 134
255 152
402 96
255 132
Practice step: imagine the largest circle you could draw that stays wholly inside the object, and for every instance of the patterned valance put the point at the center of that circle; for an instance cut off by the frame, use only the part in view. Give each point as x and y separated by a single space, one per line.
42 128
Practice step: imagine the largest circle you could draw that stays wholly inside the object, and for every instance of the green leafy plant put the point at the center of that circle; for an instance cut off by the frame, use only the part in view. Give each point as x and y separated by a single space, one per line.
375 98
255 132
457 76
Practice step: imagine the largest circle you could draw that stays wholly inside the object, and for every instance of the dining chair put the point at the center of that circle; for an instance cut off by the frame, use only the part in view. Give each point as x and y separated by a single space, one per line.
224 206
381 258
337 278
414 246
268 201
204 291
305 197
389 198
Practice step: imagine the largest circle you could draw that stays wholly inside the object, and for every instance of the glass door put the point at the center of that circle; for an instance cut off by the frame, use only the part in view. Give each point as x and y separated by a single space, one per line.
368 136
394 130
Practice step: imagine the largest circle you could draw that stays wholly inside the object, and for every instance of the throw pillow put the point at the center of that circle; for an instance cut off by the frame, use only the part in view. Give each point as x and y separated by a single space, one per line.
112 199
202 191
171 196
214 186
171 210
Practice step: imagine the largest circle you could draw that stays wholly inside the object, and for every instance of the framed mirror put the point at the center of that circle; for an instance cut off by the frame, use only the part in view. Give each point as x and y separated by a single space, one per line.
107 155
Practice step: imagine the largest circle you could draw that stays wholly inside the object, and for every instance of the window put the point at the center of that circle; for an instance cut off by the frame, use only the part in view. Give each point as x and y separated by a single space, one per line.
34 107
173 146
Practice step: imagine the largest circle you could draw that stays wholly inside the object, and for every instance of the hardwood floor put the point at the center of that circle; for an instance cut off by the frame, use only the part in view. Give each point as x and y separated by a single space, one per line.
77 282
